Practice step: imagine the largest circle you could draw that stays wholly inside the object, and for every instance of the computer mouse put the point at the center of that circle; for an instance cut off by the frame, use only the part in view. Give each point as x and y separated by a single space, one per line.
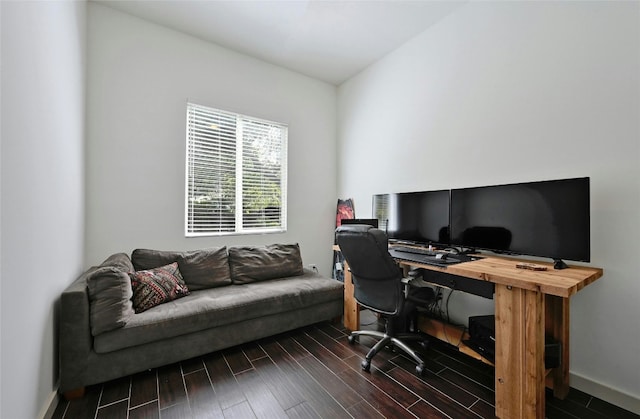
441 256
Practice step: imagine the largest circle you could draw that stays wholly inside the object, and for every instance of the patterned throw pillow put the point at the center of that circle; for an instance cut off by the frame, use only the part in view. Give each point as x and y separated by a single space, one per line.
157 286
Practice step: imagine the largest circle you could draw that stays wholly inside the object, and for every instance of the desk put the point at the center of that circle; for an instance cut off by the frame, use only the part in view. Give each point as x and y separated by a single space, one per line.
528 304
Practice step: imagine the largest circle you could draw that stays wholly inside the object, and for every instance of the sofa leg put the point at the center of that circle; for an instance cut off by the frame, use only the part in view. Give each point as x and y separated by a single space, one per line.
76 393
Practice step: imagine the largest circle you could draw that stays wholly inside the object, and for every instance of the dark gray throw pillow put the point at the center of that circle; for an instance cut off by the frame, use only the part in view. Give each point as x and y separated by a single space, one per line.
253 263
110 299
110 294
121 261
206 268
144 259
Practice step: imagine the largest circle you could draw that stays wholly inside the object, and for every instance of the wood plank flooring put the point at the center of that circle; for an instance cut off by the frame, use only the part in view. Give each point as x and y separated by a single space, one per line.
314 373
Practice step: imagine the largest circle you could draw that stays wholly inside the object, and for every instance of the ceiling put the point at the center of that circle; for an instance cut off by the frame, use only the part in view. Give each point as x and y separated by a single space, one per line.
329 40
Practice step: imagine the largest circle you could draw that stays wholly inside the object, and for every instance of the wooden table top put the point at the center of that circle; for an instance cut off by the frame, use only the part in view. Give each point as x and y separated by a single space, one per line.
503 270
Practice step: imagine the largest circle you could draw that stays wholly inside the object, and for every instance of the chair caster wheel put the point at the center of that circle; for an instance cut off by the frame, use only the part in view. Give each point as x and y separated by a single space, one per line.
419 370
366 365
424 344
352 339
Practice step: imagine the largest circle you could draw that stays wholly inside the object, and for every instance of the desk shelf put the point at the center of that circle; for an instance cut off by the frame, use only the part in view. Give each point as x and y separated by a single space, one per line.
451 334
454 336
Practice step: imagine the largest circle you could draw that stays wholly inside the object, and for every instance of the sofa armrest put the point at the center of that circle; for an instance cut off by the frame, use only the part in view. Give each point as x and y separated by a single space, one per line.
75 340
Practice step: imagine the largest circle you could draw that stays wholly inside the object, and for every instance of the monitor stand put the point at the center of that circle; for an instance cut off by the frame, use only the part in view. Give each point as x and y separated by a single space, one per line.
559 264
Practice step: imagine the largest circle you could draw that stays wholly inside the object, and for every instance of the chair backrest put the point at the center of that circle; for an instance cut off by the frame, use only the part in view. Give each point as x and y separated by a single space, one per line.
376 276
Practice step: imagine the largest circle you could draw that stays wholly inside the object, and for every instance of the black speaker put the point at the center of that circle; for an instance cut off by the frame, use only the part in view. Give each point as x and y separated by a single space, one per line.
482 331
482 328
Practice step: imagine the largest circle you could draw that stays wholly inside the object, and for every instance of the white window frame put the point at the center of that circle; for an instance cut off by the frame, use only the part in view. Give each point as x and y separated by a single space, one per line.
198 136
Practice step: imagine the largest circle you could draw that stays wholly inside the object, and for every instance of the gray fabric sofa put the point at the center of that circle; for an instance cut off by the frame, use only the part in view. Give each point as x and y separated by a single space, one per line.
235 295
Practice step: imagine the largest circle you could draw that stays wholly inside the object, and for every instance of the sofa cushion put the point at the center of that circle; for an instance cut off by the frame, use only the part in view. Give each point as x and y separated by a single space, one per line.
120 261
216 307
144 259
156 286
206 268
258 263
110 294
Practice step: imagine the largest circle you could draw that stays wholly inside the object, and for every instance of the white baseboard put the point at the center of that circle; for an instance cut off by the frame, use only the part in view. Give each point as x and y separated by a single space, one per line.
606 393
50 406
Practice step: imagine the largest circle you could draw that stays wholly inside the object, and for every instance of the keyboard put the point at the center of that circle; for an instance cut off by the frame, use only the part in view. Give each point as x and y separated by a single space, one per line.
426 259
414 250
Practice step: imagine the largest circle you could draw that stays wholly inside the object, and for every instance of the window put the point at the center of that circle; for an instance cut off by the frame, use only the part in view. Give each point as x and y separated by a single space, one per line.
236 180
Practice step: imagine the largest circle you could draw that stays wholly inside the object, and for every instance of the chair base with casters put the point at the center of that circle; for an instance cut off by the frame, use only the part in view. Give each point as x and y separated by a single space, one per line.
385 339
392 337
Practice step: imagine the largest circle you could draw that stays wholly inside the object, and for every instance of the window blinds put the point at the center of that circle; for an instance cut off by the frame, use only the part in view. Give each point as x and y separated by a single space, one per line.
236 173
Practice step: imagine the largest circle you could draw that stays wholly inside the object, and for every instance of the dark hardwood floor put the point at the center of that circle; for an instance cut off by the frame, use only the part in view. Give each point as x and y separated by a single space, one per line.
314 373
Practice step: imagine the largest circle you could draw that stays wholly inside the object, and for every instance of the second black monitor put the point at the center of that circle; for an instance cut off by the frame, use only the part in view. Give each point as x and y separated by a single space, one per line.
547 218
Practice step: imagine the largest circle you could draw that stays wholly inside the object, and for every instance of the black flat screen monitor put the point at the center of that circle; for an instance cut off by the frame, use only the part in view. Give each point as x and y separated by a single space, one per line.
547 219
416 217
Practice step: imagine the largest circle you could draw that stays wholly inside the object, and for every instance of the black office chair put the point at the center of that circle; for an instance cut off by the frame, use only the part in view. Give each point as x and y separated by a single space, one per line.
378 286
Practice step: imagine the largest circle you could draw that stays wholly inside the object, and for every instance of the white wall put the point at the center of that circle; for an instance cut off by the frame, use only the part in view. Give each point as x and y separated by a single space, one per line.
502 92
43 99
139 80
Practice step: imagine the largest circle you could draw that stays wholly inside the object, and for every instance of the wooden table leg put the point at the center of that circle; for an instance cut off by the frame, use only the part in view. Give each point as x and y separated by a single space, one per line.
351 308
519 382
557 326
